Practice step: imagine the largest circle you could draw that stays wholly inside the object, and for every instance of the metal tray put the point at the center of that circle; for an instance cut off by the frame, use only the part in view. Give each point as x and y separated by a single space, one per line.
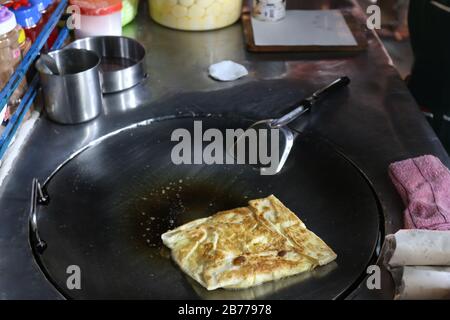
106 207
122 60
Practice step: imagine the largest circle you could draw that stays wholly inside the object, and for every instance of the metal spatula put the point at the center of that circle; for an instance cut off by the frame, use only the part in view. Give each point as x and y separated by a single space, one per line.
286 135
50 64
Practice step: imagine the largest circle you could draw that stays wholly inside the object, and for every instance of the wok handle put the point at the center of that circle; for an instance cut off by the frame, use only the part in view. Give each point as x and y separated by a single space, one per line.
308 103
37 197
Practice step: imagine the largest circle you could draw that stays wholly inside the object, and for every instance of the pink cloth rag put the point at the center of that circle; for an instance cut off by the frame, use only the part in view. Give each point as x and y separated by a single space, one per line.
424 185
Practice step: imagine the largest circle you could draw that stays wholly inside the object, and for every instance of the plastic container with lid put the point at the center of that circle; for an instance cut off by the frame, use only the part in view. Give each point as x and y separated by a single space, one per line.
269 10
28 16
46 8
99 18
195 14
10 56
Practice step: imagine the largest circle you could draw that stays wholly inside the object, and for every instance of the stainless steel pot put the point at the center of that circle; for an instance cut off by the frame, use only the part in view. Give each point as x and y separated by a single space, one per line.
122 60
74 95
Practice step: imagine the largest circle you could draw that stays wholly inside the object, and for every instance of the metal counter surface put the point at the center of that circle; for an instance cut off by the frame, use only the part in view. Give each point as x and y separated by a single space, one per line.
374 122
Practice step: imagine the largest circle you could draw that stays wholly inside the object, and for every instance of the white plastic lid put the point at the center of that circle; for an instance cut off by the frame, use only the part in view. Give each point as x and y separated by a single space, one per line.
7 20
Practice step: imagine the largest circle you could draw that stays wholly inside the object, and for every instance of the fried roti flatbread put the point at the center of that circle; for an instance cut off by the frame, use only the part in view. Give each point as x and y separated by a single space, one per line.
245 247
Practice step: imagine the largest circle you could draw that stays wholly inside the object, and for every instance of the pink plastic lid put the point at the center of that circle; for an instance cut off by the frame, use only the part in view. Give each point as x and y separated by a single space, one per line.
97 7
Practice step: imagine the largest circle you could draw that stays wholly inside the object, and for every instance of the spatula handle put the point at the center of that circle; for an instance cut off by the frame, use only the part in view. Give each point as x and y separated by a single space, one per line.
337 84
308 103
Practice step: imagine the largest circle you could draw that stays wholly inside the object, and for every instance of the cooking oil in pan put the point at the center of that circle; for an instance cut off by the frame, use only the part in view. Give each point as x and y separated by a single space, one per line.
166 207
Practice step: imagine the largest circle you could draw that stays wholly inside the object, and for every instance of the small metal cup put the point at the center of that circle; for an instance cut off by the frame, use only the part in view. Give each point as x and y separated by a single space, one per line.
74 95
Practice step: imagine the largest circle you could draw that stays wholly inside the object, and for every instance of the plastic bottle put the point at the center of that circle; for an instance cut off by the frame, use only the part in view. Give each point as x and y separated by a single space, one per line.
24 42
10 57
46 8
269 10
28 16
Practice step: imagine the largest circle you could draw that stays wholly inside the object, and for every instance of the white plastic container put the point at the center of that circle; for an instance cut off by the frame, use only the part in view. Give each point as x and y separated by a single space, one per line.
269 10
195 15
99 18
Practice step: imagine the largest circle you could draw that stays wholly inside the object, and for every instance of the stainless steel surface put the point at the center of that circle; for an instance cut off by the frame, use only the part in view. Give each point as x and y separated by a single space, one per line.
122 65
375 122
74 95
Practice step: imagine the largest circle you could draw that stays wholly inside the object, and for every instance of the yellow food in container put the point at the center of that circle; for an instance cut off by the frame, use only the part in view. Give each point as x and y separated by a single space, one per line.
195 15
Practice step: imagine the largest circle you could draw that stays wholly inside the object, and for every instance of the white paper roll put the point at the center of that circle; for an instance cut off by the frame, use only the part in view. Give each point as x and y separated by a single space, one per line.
414 283
418 248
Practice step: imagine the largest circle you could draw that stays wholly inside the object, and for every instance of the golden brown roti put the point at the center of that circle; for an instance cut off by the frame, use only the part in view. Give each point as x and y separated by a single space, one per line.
244 247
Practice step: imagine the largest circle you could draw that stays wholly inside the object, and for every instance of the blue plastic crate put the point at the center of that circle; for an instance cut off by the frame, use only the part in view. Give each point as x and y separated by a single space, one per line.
21 71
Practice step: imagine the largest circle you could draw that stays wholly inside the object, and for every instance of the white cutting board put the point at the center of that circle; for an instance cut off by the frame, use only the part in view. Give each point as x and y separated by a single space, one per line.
305 28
